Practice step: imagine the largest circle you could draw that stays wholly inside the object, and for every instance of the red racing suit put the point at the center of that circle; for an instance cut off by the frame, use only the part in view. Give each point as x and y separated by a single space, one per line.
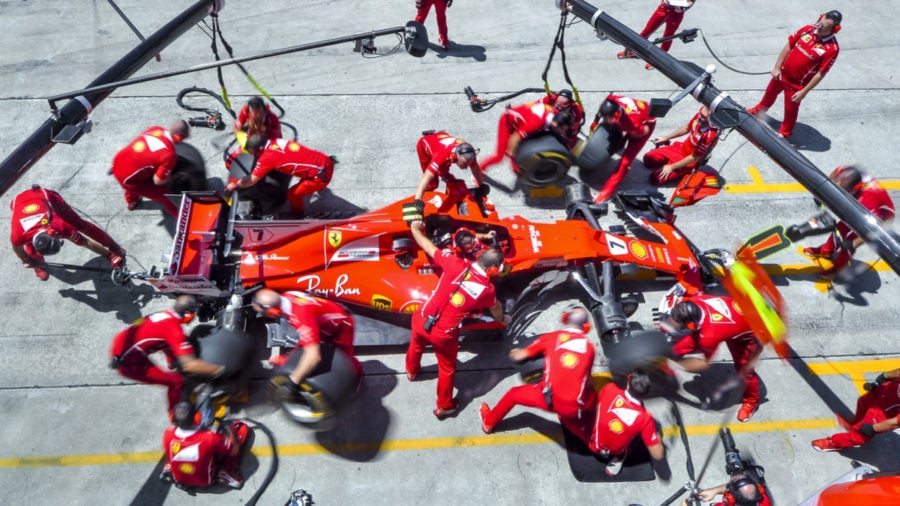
620 418
871 408
700 141
314 168
270 129
577 118
40 209
151 154
196 455
132 347
463 287
440 10
318 320
568 357
808 56
524 120
667 14
723 321
633 117
876 200
436 156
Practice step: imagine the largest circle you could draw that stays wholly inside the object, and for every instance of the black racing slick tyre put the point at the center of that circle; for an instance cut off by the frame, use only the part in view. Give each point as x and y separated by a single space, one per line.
542 160
330 386
269 193
645 350
220 346
189 173
597 150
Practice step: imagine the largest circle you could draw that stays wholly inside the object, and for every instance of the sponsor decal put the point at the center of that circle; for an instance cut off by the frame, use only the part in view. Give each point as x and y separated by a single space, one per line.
186 468
737 307
181 234
568 360
716 317
312 283
535 239
619 402
139 147
616 246
457 299
616 427
361 250
381 302
550 263
564 337
176 447
271 257
638 250
410 306
30 208
334 238
806 37
293 147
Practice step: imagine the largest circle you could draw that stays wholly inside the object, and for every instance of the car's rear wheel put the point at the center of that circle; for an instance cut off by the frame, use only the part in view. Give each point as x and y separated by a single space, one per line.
331 385
189 173
269 193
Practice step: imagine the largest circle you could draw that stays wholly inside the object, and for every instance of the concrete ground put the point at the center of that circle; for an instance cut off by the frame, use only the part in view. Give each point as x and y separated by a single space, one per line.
73 431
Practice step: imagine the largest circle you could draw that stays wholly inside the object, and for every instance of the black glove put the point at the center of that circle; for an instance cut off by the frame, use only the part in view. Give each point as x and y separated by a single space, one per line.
414 211
847 245
881 378
867 429
282 389
449 3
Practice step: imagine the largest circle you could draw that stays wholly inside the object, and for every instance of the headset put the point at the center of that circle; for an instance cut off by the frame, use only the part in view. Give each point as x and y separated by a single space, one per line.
465 151
461 238
566 317
733 486
834 16
269 310
494 270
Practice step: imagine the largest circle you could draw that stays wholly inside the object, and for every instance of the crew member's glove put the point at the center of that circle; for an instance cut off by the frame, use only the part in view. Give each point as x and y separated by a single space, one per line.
449 3
847 245
414 211
867 429
230 187
872 385
482 191
282 389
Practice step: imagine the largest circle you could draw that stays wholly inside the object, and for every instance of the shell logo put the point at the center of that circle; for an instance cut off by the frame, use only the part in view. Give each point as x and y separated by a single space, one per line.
139 147
457 299
186 468
638 250
737 307
616 427
568 360
293 146
30 208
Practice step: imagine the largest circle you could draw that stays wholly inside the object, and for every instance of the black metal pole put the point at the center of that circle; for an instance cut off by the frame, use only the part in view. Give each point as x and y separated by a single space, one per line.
731 114
41 141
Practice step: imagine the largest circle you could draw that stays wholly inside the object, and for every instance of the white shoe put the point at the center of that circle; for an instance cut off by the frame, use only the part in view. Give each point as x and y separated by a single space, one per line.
614 466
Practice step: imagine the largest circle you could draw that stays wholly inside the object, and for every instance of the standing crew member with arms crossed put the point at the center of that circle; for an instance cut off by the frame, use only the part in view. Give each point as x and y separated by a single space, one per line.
462 288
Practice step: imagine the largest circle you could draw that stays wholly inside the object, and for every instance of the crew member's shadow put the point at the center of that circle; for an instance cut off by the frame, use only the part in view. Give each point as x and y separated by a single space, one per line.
361 442
460 51
126 300
326 205
717 388
853 282
803 137
881 452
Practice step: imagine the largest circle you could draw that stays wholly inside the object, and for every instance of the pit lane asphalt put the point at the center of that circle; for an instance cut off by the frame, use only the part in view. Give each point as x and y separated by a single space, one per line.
74 432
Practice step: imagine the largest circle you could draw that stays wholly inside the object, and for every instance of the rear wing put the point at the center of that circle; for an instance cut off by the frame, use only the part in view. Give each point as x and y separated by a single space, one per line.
195 263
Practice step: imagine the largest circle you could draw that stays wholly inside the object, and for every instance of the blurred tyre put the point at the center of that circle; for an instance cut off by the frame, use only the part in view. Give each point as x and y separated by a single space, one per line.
269 193
189 173
331 385
542 160
597 150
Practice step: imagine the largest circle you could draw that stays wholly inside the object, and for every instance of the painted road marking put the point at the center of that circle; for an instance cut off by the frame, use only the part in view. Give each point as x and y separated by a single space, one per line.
760 186
855 369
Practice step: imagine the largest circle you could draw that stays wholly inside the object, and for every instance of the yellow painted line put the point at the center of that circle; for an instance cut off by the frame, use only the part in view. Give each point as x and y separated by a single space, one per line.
760 186
403 444
851 367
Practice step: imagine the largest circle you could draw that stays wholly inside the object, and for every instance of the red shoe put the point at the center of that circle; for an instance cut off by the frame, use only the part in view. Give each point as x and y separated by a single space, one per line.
825 445
624 55
445 44
278 361
165 475
41 273
133 204
746 411
815 253
115 260
648 66
484 411
442 413
411 376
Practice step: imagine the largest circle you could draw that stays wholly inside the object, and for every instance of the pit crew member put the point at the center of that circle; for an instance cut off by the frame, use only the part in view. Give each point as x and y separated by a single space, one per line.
144 166
809 54
565 101
437 152
672 161
620 418
255 118
161 331
740 490
440 10
41 219
669 12
462 288
522 121
316 321
314 168
841 245
700 325
632 118
566 387
197 456
876 411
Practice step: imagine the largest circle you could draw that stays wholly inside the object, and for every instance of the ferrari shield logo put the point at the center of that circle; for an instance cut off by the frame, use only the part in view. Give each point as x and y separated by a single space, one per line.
334 238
